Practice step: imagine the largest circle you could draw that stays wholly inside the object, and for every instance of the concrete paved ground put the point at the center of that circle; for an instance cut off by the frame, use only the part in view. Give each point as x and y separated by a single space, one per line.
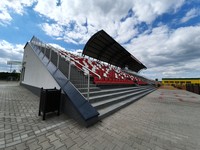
163 120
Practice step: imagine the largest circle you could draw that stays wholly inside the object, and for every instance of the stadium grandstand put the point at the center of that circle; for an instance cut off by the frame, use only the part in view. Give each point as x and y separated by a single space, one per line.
94 85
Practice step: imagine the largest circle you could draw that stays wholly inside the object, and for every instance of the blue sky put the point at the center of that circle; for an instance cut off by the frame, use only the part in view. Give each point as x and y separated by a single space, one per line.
162 34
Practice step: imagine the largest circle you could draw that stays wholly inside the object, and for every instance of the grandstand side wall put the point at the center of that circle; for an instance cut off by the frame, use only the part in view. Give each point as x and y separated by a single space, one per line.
35 74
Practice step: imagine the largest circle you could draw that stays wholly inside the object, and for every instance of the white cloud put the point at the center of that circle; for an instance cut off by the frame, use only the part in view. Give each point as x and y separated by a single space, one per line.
187 69
86 18
8 52
126 30
5 18
168 51
147 10
53 29
12 6
190 14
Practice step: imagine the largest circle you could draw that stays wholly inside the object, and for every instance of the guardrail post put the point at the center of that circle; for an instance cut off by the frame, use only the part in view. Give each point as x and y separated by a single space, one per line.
58 60
49 54
69 70
88 90
44 52
40 50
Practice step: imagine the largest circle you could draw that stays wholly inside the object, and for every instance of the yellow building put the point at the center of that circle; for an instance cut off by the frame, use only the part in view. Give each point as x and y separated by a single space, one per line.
180 81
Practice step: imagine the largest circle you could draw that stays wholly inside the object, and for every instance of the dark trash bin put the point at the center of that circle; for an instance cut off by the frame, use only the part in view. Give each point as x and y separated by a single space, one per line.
49 101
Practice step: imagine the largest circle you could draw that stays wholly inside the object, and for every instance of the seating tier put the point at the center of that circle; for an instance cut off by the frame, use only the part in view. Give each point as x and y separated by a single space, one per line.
101 72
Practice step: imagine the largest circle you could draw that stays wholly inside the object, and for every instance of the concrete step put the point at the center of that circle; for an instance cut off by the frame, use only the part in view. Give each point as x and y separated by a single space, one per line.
106 103
84 85
104 96
104 112
107 91
85 89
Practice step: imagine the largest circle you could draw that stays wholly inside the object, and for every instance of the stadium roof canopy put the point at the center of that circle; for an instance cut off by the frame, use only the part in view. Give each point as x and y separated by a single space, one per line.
102 46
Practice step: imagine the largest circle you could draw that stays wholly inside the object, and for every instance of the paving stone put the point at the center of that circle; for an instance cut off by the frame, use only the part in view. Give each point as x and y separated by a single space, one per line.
90 139
149 145
67 131
21 146
52 138
8 136
57 144
24 136
58 132
1 135
127 147
28 138
74 147
45 145
109 145
2 142
69 142
41 139
117 148
62 148
99 146
139 146
10 148
9 141
13 143
2 146
73 135
51 148
17 138
118 143
63 136
158 148
87 146
33 145
79 141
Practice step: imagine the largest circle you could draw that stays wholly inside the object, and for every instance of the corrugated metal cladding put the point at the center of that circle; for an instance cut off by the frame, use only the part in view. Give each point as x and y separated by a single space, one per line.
103 47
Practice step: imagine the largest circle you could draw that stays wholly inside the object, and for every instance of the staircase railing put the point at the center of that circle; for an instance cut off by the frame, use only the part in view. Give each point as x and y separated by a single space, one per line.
74 78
